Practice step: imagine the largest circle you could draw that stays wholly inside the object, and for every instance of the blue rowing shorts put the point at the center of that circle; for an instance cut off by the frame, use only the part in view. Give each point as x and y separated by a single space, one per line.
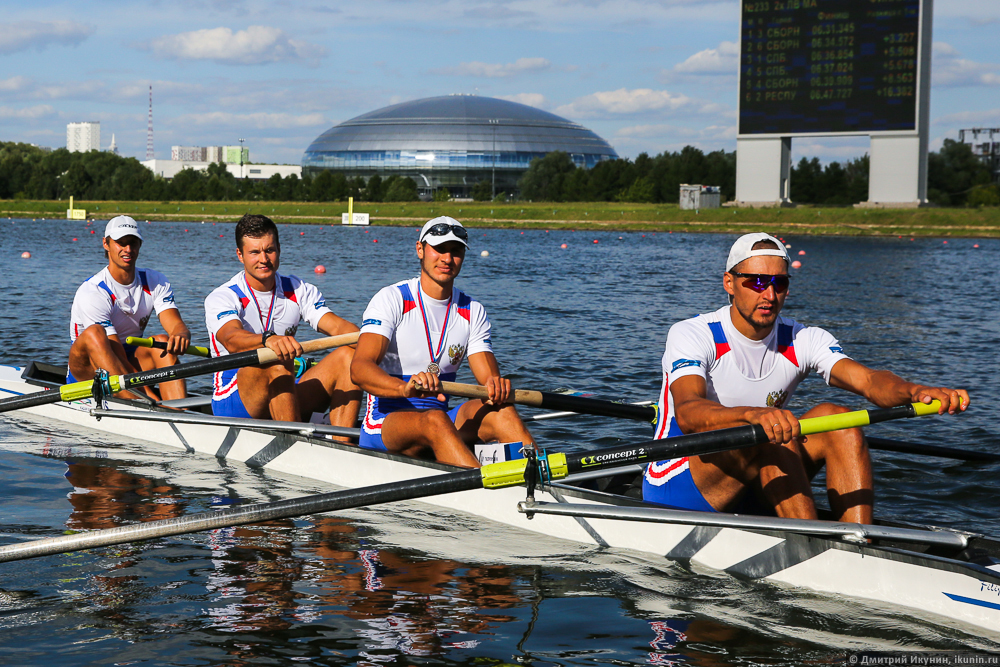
670 483
379 408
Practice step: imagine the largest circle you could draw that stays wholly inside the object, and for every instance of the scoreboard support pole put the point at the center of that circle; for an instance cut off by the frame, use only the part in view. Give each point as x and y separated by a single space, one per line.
763 171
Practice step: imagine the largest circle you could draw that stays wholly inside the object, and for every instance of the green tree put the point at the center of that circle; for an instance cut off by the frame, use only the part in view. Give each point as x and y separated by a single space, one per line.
952 172
374 191
984 195
442 195
545 178
483 191
401 188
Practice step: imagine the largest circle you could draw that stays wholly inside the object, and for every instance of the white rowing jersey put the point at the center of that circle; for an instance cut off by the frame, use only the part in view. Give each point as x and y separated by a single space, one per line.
123 310
279 310
738 371
422 330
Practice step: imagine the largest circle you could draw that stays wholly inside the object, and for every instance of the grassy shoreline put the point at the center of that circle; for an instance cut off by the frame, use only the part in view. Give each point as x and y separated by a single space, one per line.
954 222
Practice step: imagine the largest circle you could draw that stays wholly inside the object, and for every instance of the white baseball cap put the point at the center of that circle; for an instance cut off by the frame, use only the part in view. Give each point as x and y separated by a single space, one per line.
120 226
443 229
743 249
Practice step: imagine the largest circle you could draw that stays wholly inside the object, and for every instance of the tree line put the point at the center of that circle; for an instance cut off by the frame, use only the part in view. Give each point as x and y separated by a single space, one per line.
956 177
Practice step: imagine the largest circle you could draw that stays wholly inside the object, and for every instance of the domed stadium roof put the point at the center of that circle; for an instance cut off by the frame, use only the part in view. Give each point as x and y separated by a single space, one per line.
452 141
461 122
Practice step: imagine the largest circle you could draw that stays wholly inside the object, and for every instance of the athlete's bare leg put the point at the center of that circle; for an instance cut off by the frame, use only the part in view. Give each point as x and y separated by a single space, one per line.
477 421
93 350
724 478
849 484
268 392
411 432
328 385
150 358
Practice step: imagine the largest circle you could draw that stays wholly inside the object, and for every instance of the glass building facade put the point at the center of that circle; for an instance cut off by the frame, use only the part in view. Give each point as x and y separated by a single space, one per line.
452 142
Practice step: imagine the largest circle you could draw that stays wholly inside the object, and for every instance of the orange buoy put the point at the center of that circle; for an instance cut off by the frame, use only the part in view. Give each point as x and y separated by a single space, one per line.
796 264
802 252
25 255
595 240
319 269
563 246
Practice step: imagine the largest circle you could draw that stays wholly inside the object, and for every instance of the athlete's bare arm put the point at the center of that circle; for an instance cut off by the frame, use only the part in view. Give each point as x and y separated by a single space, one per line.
178 335
237 339
695 413
366 373
886 389
335 325
485 368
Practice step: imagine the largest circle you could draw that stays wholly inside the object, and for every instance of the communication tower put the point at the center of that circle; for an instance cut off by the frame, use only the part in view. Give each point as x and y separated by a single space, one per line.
149 128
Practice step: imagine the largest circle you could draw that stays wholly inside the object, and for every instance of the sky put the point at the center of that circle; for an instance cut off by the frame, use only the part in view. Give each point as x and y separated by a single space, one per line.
646 75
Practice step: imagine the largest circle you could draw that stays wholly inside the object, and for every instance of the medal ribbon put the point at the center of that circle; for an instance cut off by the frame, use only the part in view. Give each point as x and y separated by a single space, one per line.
270 310
427 329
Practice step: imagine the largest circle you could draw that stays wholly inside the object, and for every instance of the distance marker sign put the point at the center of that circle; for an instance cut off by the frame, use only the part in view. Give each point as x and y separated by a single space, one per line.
829 66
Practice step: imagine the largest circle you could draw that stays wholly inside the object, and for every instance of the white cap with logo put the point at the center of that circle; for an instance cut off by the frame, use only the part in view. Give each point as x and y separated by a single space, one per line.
120 226
743 249
443 229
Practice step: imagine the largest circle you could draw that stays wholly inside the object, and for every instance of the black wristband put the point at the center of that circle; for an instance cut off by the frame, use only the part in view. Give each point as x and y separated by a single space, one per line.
264 336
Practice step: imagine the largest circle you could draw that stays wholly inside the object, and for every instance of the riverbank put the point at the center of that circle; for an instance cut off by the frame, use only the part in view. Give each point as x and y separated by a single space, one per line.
957 222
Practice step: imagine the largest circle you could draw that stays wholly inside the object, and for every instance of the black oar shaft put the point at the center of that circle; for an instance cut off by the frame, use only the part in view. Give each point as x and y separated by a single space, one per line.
237 516
591 406
887 445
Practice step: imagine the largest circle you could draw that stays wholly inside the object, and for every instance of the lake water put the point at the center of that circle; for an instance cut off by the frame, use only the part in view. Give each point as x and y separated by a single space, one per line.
401 585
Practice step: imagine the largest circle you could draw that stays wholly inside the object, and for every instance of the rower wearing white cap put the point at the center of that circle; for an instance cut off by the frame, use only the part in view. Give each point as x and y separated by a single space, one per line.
117 303
414 334
740 365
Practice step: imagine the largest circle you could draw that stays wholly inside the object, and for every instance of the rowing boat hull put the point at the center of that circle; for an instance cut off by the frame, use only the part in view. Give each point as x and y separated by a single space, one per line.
930 588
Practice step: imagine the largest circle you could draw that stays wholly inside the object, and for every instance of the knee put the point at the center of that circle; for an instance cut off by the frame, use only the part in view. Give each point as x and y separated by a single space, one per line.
162 338
437 420
342 359
824 409
94 334
278 370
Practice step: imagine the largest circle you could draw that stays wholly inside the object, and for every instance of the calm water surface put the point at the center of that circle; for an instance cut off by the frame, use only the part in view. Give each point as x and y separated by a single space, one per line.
405 585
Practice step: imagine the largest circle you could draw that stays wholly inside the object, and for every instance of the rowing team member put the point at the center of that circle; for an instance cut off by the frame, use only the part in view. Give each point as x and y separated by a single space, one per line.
740 365
117 303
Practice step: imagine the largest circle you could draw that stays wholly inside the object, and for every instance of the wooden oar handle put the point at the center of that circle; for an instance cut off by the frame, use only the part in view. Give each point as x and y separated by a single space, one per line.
521 396
266 355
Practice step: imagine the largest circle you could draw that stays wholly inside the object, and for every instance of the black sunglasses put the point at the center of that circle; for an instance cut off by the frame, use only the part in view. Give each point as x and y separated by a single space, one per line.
759 282
442 229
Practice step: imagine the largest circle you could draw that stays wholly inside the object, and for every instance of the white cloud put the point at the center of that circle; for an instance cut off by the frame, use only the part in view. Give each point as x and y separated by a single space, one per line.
627 102
722 60
14 84
30 113
496 71
988 117
950 69
23 35
254 46
260 121
536 100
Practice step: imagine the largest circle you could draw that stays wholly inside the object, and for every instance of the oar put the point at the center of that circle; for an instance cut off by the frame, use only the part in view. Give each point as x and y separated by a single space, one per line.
115 383
548 401
643 411
195 350
493 476
887 445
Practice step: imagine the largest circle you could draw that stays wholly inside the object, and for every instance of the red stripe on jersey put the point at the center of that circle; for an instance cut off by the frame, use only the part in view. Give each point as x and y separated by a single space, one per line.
656 474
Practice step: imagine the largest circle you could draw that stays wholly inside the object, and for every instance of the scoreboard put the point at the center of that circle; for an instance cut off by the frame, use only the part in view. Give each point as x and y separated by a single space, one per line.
829 67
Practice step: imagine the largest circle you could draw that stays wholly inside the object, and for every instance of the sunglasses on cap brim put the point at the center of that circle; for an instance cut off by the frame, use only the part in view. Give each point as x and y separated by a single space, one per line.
443 229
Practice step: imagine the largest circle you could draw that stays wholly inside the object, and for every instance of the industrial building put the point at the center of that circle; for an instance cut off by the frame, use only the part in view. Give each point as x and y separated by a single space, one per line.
170 168
452 142
985 144
224 154
83 137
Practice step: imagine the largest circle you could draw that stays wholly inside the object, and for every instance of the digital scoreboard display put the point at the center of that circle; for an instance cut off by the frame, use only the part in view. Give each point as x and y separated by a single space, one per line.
829 66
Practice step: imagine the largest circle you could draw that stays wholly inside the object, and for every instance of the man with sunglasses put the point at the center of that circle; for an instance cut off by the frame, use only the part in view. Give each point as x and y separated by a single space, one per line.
414 334
740 365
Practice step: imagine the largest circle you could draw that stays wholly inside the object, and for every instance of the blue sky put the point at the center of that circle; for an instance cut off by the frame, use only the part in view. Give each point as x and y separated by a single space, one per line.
647 75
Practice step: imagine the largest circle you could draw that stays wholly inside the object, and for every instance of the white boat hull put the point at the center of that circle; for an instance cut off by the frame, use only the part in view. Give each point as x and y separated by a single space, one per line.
964 595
